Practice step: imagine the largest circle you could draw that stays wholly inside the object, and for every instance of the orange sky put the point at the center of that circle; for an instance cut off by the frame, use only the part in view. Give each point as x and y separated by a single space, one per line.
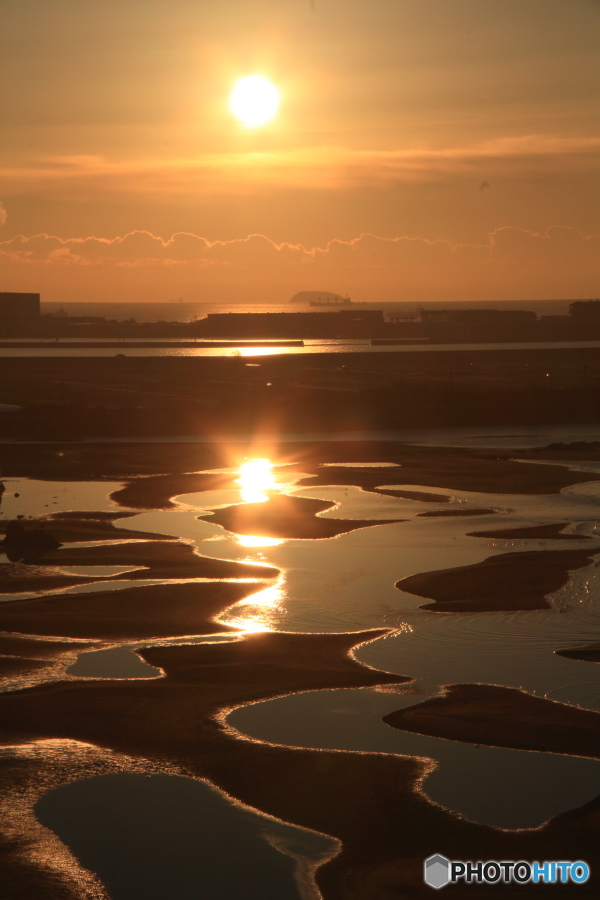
424 149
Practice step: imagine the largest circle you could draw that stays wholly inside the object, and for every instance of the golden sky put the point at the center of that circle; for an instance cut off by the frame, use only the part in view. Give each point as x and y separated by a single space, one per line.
424 149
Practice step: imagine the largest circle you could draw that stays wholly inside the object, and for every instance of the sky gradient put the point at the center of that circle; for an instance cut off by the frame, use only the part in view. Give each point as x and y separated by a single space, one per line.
424 149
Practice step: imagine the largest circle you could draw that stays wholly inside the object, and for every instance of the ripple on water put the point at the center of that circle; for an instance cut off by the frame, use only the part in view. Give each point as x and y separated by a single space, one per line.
514 649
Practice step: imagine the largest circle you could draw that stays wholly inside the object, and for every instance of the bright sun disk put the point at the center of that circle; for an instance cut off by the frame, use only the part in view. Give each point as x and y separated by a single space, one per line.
254 100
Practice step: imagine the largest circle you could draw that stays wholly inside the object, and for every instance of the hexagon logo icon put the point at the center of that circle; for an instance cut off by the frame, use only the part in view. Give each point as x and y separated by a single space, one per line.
437 871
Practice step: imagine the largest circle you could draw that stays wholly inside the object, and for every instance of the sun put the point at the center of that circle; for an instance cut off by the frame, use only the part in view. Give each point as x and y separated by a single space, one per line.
254 101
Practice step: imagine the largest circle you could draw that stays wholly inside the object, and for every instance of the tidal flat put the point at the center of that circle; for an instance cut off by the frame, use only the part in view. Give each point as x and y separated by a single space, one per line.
262 583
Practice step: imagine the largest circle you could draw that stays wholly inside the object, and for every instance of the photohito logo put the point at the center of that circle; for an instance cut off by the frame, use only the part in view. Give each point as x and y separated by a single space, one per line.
440 871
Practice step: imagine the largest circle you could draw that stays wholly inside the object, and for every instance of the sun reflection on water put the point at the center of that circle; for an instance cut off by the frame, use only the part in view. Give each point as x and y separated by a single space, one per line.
258 351
246 540
256 613
256 477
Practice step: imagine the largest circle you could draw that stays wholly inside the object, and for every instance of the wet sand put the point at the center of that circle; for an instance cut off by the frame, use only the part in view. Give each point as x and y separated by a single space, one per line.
442 467
12 665
591 653
24 578
369 801
15 645
155 492
534 532
159 559
167 558
503 717
25 656
75 527
159 610
436 513
288 517
421 496
506 582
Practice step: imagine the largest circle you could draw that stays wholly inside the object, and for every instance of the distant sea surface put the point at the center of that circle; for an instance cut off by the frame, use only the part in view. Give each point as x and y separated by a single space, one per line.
187 312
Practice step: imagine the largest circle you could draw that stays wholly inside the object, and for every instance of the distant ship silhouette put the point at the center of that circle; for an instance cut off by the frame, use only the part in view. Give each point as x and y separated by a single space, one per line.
321 298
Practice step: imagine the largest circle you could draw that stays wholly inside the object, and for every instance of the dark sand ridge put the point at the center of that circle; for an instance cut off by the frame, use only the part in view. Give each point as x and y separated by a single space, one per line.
366 800
439 467
76 527
160 559
15 645
158 610
65 527
503 717
288 517
421 496
176 563
443 467
20 656
155 492
533 532
588 653
491 471
443 513
505 582
24 578
12 665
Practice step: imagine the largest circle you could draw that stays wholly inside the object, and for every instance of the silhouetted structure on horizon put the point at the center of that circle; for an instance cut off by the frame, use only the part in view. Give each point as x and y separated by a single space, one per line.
585 312
512 317
19 308
343 323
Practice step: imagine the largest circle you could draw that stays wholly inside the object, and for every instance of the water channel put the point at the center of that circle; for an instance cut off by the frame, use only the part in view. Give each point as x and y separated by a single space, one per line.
346 584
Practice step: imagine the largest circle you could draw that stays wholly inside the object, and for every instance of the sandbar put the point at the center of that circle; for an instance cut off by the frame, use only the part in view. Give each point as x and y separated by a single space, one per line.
421 496
159 559
288 517
156 491
35 648
159 610
533 532
503 717
442 467
75 527
589 653
437 513
371 802
505 582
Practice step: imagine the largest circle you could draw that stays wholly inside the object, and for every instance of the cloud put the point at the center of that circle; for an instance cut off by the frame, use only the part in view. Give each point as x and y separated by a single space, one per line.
512 263
141 248
326 168
557 246
3 215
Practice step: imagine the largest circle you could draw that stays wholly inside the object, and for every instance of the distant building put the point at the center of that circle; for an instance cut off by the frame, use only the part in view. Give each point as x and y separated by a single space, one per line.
478 316
585 311
321 298
342 323
17 308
